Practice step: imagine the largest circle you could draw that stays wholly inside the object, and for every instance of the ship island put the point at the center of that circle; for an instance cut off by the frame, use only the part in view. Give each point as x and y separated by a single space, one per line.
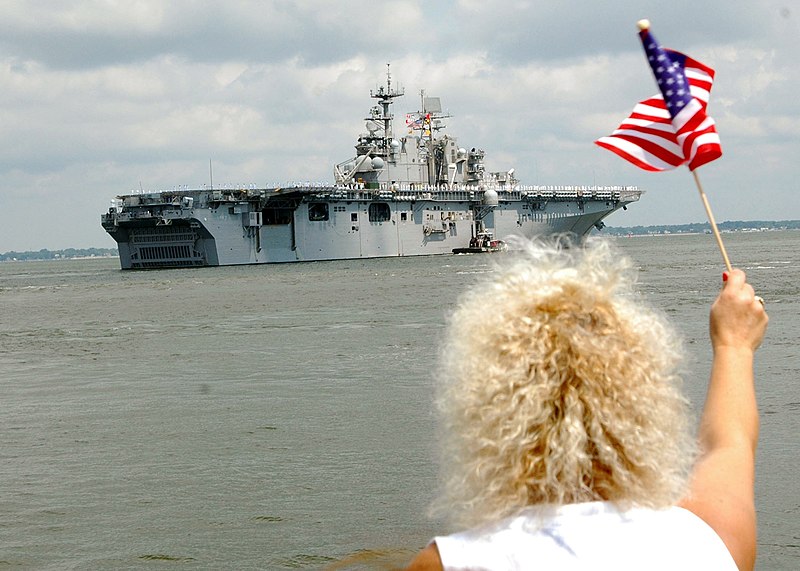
409 194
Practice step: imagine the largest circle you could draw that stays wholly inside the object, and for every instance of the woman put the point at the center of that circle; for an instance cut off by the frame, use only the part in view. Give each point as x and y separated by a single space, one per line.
567 438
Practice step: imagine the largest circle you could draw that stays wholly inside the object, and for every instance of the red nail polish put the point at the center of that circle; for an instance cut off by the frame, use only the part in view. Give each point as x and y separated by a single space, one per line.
724 276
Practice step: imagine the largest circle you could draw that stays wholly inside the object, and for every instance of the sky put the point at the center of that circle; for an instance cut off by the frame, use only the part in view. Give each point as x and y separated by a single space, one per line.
100 98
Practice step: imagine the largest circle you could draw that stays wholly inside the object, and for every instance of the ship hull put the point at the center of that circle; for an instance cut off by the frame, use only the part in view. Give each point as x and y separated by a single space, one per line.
262 226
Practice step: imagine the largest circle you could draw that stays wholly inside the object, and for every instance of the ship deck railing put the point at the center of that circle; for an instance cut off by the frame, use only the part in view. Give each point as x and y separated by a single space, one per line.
171 200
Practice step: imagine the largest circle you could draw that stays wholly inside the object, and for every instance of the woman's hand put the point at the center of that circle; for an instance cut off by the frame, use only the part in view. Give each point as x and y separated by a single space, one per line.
738 319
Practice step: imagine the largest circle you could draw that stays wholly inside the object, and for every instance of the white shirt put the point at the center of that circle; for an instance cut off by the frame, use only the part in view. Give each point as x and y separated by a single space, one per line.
594 535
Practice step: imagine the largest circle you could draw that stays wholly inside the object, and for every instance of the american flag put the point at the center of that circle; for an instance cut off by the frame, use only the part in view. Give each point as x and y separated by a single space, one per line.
413 122
670 129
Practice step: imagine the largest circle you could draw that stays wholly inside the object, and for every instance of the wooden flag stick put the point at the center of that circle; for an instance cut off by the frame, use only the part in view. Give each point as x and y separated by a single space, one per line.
711 220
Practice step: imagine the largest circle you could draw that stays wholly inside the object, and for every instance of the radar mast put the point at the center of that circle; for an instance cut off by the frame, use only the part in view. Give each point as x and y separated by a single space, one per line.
385 97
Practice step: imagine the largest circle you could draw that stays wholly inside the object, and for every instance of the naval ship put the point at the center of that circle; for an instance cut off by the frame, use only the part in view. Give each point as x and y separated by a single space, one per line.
408 194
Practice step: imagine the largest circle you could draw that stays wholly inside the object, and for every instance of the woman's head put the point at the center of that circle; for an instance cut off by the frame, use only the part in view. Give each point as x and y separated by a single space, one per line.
559 386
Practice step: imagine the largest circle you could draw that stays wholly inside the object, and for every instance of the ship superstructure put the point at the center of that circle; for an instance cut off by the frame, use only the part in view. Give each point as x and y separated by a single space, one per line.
415 193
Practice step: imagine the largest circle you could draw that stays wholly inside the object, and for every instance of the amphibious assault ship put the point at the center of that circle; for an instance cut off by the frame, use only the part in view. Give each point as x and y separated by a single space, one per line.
409 194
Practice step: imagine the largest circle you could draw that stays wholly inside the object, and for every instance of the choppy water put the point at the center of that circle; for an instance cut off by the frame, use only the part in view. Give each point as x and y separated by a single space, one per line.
279 417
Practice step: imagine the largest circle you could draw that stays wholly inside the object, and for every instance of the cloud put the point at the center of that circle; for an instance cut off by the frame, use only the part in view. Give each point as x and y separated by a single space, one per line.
100 97
87 34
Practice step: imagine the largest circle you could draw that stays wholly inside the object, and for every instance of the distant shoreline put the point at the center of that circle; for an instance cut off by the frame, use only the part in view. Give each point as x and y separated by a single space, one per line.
58 255
619 231
702 228
671 234
62 259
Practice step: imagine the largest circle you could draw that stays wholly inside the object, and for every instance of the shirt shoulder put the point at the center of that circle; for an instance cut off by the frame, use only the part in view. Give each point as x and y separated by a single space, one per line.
569 537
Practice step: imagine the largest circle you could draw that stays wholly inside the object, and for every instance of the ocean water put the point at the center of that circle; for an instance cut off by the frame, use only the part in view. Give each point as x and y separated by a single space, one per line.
279 417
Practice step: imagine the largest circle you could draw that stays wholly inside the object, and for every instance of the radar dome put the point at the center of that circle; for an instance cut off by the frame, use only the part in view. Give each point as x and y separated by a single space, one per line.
395 144
377 163
490 197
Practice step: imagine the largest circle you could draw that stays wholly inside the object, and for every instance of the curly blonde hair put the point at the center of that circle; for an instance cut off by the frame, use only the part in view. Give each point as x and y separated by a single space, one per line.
559 385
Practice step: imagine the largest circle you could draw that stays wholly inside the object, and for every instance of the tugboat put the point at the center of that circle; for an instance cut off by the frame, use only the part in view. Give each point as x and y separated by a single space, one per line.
412 193
482 243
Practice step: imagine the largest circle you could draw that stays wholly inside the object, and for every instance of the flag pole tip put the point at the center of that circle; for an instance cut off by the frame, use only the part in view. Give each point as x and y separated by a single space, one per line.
643 24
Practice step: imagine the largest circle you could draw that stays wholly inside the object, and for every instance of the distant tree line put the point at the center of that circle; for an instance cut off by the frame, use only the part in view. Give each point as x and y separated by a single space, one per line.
703 227
67 254
694 228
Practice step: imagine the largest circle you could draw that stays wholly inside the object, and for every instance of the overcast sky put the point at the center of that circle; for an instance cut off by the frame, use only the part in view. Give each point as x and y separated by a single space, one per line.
98 98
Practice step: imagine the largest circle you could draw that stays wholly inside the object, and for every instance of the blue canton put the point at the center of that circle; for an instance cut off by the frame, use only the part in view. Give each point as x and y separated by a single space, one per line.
669 72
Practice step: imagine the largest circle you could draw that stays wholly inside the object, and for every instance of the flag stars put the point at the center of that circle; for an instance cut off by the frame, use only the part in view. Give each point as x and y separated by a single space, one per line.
668 69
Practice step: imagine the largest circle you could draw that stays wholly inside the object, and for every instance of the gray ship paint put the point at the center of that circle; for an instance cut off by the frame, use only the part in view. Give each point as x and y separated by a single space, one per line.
409 195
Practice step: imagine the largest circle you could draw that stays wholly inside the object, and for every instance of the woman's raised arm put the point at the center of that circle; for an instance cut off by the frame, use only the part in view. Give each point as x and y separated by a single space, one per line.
722 483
